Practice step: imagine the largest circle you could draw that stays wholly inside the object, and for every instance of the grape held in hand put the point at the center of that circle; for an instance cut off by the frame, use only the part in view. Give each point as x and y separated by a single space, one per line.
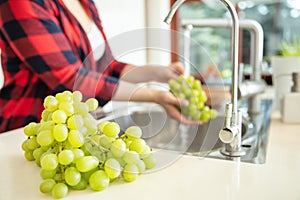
190 89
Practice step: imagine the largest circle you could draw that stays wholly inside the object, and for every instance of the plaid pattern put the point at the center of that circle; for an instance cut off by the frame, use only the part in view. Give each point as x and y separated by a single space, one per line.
46 51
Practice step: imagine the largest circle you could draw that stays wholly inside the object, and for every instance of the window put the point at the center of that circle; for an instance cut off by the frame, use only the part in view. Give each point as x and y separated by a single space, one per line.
279 19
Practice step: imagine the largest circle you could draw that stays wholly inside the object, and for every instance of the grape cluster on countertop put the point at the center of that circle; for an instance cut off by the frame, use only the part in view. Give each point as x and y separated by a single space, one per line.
74 151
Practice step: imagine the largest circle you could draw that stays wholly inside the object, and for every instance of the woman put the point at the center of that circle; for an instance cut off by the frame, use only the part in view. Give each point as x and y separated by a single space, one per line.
46 49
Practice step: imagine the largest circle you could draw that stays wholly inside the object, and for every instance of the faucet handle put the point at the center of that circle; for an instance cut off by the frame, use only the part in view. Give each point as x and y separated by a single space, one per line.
227 135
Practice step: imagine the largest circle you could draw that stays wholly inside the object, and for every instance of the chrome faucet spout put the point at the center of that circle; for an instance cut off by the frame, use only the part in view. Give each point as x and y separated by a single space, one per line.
173 10
232 148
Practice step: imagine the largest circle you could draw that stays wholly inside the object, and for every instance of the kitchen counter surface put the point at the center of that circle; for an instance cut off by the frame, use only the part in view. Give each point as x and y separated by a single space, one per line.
186 177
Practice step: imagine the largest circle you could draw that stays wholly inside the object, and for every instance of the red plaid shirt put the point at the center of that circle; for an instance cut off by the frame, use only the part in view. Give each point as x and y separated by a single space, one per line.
46 51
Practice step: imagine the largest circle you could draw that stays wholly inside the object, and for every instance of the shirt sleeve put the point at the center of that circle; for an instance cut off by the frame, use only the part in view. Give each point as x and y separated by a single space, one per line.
35 36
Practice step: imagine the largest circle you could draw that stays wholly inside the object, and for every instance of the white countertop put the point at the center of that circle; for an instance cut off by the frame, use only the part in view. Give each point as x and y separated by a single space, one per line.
186 178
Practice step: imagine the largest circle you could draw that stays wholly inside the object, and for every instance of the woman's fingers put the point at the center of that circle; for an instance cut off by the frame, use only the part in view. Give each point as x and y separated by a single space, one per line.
177 67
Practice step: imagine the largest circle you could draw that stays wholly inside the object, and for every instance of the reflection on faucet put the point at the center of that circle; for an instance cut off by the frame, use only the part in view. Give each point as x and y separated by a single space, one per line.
233 116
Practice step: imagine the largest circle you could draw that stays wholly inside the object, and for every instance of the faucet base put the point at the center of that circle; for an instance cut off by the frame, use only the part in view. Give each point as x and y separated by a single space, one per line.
238 153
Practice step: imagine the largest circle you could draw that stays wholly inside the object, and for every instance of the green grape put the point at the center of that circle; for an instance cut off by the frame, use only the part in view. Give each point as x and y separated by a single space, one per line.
75 138
121 161
105 141
138 145
81 108
59 190
197 85
193 100
205 108
118 148
190 80
83 130
146 152
47 185
77 96
50 103
59 116
196 115
67 107
32 144
202 96
112 168
72 176
131 157
99 180
180 96
45 138
196 93
127 142
92 103
186 91
65 157
65 96
90 123
58 177
86 175
82 185
49 162
46 115
101 125
130 172
141 166
60 132
96 138
29 129
47 174
85 149
86 163
174 85
95 151
77 154
149 161
180 79
205 116
48 125
133 132
29 155
25 145
75 122
200 105
37 153
111 129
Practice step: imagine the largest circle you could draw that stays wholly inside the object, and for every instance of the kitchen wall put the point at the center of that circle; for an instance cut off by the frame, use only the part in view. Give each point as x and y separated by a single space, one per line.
125 23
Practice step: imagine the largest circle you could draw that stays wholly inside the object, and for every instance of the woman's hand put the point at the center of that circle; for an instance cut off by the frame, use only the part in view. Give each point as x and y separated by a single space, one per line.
135 74
171 72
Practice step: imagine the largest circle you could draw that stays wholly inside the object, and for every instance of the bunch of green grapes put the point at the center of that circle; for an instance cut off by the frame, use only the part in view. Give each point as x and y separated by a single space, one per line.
63 145
191 89
125 156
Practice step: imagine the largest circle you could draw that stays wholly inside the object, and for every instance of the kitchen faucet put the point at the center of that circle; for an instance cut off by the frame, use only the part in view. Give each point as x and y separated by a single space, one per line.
231 134
247 89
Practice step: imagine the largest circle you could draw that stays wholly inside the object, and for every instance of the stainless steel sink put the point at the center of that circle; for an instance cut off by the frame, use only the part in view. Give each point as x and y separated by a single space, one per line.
162 132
